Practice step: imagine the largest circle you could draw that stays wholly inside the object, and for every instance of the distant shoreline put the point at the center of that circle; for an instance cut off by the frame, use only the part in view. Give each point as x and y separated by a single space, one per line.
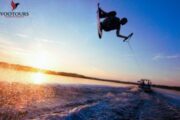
33 69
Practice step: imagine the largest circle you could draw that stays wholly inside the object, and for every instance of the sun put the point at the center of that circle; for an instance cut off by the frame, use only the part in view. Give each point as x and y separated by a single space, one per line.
38 78
40 59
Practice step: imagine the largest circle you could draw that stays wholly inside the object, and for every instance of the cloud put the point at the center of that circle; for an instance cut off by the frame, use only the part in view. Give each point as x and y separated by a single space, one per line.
4 41
173 56
11 47
167 57
48 41
22 35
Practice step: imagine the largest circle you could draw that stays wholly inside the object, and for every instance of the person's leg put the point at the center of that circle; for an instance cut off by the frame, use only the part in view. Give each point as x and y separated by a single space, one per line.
111 14
102 14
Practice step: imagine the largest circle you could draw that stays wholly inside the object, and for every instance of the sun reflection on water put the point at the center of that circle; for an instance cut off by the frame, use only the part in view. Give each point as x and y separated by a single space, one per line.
38 78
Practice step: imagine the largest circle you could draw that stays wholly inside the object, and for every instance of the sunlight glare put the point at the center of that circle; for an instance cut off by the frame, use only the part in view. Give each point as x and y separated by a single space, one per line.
40 59
38 78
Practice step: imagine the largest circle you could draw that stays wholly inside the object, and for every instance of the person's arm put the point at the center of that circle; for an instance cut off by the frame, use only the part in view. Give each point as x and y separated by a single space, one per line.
119 35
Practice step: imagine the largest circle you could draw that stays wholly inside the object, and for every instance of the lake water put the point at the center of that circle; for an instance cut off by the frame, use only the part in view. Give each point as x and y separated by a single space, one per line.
40 78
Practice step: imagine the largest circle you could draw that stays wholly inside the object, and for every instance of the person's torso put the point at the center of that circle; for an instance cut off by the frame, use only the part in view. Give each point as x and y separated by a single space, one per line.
111 23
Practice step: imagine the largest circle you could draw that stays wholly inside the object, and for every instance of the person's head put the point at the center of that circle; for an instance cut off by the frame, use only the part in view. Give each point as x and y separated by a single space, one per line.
123 21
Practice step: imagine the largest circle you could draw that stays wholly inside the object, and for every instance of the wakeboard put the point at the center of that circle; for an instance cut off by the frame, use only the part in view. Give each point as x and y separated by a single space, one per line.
99 23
